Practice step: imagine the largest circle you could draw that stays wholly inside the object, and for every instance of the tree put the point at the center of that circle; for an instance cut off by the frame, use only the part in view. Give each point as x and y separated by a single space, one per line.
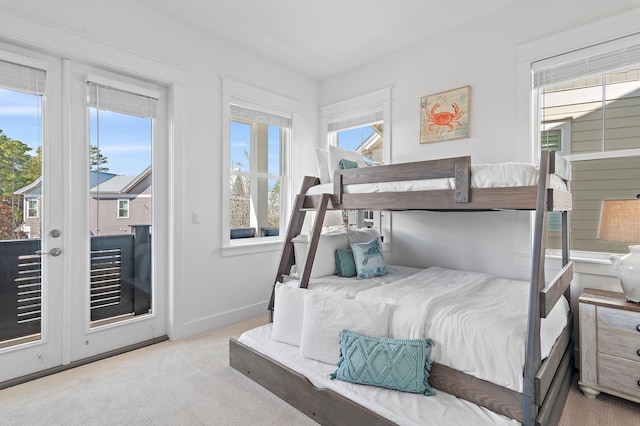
33 167
96 159
13 162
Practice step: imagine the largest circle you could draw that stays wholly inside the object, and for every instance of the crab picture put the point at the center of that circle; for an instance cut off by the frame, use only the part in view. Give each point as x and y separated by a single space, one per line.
445 115
444 118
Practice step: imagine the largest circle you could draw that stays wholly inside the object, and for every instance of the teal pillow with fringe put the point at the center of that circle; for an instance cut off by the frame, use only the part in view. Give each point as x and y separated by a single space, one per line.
347 164
345 265
400 364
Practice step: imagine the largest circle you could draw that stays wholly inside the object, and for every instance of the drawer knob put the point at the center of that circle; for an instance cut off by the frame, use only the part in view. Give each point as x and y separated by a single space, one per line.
638 327
638 352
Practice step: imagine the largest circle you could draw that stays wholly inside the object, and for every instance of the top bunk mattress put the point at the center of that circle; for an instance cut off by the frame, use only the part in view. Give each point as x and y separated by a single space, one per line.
499 175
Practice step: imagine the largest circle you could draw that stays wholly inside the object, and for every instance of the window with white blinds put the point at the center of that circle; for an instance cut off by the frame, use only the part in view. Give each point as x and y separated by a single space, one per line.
22 78
258 142
589 108
114 99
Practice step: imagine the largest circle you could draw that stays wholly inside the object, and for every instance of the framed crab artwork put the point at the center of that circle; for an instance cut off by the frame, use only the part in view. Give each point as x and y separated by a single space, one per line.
445 116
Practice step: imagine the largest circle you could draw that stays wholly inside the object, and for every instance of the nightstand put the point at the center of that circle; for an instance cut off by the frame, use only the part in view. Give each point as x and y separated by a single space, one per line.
609 345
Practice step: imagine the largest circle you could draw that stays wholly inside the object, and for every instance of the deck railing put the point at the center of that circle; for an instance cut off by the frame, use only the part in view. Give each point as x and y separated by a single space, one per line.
120 280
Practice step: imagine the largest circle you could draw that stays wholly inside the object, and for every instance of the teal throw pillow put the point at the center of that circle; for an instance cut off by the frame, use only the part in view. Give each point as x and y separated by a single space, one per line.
345 265
400 364
347 164
368 259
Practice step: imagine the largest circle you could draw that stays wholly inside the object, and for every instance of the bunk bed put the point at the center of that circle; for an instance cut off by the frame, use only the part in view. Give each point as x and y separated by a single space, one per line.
546 379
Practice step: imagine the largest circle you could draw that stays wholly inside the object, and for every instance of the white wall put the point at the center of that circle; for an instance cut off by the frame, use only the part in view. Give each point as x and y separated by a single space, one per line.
209 290
487 55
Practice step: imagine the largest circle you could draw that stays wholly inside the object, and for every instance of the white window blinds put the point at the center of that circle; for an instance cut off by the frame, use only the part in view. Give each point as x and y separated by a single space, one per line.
22 78
586 66
125 102
356 119
245 111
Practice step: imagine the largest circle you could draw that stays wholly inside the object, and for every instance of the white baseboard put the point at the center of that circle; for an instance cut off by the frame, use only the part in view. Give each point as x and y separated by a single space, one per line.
224 319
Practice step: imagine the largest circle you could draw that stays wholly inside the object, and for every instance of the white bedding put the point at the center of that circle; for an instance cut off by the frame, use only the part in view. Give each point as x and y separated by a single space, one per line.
400 407
349 287
482 176
478 322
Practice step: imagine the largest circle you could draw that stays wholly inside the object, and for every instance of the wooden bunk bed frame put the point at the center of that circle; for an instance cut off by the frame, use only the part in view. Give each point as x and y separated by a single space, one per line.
546 382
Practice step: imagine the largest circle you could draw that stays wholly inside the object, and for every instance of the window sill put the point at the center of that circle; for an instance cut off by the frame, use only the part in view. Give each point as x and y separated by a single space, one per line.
262 245
586 262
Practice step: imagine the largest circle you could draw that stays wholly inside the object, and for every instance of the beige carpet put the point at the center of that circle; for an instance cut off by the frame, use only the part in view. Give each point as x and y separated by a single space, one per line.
190 383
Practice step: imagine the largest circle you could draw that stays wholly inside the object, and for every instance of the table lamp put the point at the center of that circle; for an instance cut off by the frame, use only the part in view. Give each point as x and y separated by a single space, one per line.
620 221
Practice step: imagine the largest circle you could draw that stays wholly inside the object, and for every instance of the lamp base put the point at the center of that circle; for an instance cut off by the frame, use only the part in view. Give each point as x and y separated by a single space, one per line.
629 272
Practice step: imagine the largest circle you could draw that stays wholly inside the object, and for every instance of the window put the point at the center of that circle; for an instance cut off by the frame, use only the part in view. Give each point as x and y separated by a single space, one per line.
256 165
119 113
32 209
22 91
589 109
123 209
359 125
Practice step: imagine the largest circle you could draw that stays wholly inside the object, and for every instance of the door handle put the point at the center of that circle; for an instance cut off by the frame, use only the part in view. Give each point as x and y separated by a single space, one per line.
53 252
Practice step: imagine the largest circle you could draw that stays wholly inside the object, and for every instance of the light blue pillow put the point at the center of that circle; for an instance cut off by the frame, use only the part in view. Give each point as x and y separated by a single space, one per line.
345 265
368 259
347 164
400 364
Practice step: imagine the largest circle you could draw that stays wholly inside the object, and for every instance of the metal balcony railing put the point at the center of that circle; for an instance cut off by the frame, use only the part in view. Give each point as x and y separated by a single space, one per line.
120 280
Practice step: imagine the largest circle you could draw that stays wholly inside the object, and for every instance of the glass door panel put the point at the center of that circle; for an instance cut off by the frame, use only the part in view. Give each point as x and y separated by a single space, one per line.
30 266
120 201
20 222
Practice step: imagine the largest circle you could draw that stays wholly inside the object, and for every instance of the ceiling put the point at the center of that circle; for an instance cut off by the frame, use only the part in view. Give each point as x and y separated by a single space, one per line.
327 37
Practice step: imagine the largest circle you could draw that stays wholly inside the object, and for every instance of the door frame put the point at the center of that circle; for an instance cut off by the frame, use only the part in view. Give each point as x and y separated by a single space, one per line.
171 79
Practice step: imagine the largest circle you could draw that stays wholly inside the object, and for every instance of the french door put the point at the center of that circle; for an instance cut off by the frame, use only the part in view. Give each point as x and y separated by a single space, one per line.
83 211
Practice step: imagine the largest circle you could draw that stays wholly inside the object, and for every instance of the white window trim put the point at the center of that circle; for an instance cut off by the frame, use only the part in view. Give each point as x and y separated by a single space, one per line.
233 89
27 215
617 31
128 208
367 104
377 100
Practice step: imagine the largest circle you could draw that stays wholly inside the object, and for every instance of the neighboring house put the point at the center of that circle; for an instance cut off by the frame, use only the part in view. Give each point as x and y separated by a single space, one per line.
116 203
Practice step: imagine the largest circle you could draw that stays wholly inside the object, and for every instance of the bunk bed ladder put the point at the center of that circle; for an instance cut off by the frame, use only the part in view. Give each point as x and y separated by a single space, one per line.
287 258
533 361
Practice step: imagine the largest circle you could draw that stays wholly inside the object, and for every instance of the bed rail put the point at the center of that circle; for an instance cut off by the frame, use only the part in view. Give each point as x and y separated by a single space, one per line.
553 291
458 168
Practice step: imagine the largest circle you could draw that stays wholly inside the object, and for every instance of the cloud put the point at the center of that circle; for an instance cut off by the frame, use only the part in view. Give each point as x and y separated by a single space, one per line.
19 111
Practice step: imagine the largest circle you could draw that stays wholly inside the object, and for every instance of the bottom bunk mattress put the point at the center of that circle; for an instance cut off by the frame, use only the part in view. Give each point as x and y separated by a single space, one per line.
477 321
399 407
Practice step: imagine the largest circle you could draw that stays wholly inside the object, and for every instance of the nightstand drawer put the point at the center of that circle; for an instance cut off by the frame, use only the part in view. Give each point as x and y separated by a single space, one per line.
619 344
619 320
619 375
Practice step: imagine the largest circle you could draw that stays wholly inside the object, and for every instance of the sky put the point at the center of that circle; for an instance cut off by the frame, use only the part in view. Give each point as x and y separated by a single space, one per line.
125 140
240 135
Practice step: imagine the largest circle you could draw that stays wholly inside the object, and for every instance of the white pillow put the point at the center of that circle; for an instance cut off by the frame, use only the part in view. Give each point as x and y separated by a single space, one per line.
325 316
362 235
288 314
322 162
336 154
325 262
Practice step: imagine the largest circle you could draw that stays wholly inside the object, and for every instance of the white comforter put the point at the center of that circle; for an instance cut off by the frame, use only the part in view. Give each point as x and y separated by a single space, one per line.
482 176
478 322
